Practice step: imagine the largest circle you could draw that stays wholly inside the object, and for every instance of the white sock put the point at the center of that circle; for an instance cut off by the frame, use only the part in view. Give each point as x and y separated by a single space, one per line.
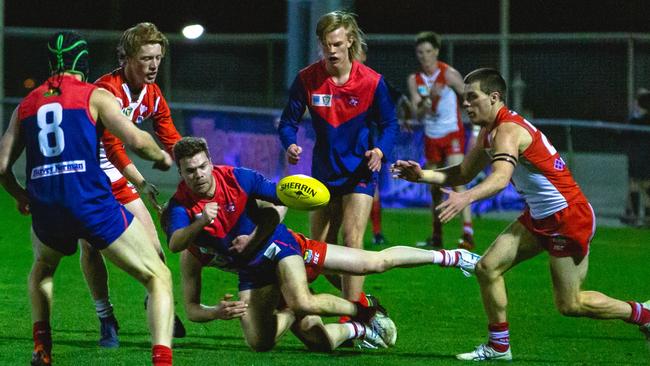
445 258
355 330
104 308
437 257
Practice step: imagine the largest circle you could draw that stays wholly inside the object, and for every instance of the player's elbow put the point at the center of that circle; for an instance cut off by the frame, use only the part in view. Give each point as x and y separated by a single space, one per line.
176 244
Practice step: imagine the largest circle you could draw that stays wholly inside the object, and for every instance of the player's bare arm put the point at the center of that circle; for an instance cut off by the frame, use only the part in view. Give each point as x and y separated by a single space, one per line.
508 140
191 279
105 108
421 104
11 146
182 238
455 80
267 217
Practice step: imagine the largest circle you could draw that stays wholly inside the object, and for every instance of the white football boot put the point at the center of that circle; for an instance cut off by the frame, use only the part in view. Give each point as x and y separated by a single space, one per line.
485 353
372 339
385 327
466 260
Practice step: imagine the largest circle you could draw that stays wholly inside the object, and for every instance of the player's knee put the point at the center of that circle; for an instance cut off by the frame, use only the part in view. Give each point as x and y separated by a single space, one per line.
377 263
484 271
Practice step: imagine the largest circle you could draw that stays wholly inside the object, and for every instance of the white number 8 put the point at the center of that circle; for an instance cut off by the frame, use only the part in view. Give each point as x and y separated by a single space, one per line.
56 111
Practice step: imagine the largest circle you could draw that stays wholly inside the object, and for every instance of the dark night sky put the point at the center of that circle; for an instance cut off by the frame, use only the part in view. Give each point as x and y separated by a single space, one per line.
375 16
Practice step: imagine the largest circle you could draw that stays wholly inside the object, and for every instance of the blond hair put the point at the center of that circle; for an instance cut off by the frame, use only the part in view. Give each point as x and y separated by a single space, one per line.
337 19
139 35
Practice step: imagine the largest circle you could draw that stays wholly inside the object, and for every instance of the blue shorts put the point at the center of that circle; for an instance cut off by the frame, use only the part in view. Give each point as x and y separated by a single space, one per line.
365 185
60 227
261 270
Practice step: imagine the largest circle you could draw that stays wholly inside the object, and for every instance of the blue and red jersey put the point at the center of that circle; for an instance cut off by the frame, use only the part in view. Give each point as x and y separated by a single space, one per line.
342 116
235 193
69 195
61 140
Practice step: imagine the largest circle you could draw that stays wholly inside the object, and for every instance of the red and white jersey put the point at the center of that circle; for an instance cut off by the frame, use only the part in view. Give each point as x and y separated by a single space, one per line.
444 117
541 176
149 104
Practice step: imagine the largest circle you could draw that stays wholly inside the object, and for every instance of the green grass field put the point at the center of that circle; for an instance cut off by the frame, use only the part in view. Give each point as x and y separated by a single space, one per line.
438 312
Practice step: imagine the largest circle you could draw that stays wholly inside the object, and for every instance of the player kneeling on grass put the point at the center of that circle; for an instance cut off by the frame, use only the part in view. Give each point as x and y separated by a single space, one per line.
70 197
211 219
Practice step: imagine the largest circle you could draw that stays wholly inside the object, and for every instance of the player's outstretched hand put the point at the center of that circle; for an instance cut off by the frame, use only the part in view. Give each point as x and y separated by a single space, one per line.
374 159
293 154
229 309
406 169
150 191
454 204
164 164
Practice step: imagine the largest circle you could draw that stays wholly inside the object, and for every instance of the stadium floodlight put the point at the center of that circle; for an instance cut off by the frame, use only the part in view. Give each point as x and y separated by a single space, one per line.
193 31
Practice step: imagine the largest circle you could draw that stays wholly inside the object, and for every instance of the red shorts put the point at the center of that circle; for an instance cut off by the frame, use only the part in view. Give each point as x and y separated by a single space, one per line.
567 233
436 150
124 191
313 253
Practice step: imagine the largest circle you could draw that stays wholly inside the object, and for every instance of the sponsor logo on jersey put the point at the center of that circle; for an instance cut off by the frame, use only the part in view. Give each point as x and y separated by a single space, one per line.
321 100
559 242
64 167
423 90
308 256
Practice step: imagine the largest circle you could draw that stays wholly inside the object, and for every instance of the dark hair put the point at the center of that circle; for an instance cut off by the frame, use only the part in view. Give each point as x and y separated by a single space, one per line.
68 52
189 146
489 81
431 37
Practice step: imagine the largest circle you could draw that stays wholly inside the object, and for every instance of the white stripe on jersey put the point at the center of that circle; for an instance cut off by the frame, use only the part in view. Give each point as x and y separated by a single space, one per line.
541 196
111 171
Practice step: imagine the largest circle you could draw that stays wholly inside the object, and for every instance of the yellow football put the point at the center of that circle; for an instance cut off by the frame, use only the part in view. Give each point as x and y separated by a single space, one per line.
302 192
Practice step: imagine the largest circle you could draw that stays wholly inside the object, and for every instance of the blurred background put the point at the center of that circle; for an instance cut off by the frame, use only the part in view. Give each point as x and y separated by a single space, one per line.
574 68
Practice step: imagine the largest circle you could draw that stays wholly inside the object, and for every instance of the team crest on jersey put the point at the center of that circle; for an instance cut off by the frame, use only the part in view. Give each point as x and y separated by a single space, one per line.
559 164
128 111
143 109
230 207
321 100
353 101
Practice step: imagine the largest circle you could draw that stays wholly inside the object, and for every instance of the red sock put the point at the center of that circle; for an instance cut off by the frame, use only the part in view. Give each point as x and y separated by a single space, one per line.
499 336
161 355
42 334
640 315
363 300
467 228
375 217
